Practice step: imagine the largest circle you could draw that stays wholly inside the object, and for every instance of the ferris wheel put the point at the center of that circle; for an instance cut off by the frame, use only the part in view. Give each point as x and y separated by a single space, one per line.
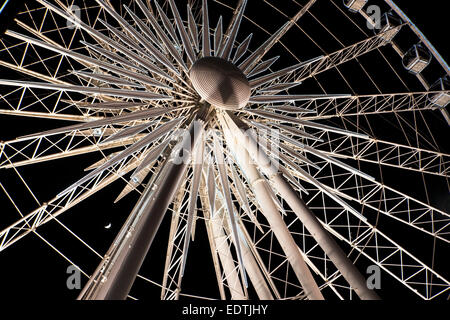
304 140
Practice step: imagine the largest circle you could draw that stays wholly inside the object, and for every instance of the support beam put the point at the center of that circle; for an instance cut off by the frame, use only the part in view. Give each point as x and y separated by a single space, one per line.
47 115
207 213
115 275
255 269
252 267
271 212
341 56
312 224
375 104
66 153
171 286
230 270
206 40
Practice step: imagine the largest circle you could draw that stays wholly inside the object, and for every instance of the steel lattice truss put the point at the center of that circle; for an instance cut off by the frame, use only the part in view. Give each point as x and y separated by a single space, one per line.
120 74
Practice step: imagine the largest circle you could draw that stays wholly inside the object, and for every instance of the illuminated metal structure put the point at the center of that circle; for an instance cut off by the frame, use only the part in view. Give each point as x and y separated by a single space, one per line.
257 159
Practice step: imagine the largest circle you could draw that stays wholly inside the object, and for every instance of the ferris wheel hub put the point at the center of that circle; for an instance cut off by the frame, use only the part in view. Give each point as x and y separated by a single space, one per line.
220 83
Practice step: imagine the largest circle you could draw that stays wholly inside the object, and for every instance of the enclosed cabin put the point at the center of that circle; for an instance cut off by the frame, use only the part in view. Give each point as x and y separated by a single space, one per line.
388 22
417 59
440 99
355 5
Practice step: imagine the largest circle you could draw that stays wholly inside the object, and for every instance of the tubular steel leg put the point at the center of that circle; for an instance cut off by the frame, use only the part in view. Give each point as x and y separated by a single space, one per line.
229 267
272 214
115 275
323 238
